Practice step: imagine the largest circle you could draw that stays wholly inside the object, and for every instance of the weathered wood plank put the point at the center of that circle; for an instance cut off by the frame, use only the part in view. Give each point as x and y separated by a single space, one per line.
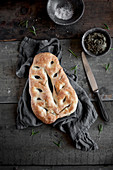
56 167
96 13
11 86
18 147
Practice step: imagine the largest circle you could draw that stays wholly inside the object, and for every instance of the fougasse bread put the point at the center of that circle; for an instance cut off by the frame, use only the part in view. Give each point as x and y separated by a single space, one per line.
52 95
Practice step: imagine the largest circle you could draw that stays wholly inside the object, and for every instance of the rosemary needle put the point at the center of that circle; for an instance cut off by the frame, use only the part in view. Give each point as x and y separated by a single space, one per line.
24 23
33 132
33 30
75 69
106 66
57 143
72 53
106 26
100 127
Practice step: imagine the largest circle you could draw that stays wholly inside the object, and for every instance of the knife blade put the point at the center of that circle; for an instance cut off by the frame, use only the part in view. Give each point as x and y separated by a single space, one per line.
94 86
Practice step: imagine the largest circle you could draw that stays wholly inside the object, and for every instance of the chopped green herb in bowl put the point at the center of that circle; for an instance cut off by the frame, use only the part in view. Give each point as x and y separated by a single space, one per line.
96 42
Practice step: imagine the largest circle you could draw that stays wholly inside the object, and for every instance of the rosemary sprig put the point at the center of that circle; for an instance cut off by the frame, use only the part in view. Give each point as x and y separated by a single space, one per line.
33 132
58 143
75 69
106 26
100 128
106 66
24 23
72 53
33 30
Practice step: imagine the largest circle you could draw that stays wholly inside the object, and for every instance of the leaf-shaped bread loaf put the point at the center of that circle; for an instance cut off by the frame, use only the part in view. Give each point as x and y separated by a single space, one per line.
52 95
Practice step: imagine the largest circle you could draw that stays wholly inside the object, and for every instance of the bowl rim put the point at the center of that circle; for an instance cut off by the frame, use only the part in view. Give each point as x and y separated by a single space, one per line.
91 31
70 22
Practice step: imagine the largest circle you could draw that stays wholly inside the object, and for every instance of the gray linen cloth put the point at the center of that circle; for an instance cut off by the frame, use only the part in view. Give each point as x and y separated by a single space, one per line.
78 123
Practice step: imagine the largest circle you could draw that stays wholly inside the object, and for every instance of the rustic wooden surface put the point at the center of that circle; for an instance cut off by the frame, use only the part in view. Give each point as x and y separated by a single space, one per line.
18 147
13 13
56 167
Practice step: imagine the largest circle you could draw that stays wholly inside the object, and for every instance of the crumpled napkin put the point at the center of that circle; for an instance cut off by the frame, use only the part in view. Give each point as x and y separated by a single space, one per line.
78 123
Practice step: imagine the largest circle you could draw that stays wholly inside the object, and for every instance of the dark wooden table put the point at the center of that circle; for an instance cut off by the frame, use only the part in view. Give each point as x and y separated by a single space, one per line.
18 149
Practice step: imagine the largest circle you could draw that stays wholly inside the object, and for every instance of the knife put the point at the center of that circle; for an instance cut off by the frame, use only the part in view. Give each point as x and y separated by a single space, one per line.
94 86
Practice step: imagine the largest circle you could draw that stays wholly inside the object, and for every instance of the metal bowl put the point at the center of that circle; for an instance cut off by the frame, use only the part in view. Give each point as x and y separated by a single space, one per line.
97 30
65 12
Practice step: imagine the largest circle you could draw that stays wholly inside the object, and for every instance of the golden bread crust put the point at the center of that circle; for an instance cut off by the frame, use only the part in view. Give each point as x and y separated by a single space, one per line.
52 95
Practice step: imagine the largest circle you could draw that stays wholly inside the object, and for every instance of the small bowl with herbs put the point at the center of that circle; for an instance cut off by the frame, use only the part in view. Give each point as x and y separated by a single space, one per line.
96 42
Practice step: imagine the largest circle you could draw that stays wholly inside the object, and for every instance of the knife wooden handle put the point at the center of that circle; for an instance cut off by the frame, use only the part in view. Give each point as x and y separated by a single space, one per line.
102 108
